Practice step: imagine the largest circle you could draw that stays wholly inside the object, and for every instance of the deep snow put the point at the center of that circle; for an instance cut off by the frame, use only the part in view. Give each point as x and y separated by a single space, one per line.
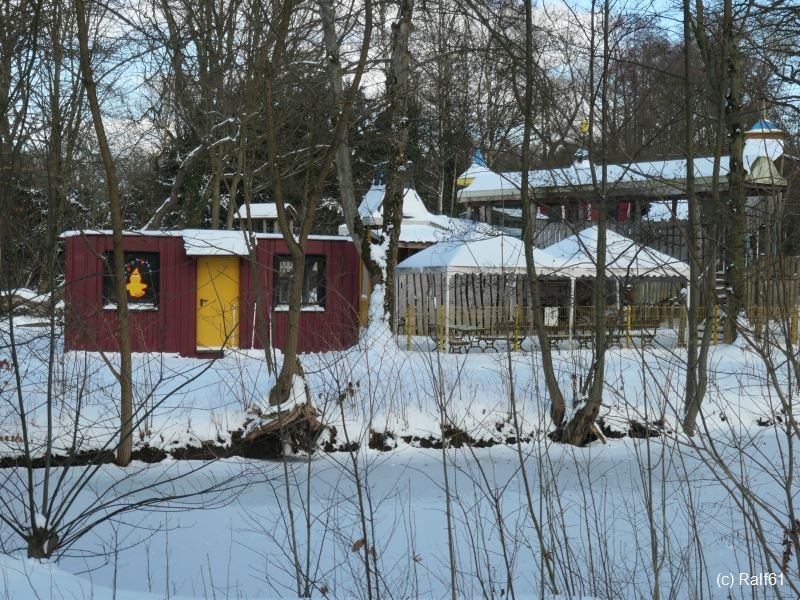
589 505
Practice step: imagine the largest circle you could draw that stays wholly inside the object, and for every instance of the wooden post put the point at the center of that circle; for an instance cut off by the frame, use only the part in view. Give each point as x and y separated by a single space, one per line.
408 327
441 328
682 318
516 328
628 319
715 325
758 315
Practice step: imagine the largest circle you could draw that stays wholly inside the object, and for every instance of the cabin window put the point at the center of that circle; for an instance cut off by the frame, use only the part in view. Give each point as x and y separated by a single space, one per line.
313 282
141 280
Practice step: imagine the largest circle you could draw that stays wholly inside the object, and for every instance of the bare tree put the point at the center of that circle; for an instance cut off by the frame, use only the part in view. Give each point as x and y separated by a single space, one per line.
19 40
61 108
208 48
123 373
398 95
529 210
57 493
344 170
579 427
277 62
702 250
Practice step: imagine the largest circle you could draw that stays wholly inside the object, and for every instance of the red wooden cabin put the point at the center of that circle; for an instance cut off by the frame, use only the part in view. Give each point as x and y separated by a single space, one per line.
198 291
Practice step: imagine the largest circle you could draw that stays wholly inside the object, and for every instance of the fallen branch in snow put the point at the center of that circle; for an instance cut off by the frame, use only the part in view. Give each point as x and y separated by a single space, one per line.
298 426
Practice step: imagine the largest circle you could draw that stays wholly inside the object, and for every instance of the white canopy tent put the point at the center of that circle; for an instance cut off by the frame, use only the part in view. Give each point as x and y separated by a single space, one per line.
495 255
498 253
624 257
497 263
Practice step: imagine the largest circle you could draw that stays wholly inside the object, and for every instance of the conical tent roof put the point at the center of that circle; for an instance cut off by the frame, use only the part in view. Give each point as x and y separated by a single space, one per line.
477 167
501 253
624 257
371 208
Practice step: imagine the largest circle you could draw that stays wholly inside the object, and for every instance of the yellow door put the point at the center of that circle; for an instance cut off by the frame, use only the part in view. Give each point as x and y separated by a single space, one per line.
217 302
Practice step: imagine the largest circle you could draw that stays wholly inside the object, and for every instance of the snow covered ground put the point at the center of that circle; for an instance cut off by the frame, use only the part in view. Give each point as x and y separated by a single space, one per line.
632 518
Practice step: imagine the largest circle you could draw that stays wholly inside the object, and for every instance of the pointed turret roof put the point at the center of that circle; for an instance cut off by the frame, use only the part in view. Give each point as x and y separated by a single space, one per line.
477 167
763 139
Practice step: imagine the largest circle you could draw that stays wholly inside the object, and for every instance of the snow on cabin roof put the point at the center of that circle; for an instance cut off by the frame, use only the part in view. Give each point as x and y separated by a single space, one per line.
624 257
182 233
263 210
260 210
143 232
196 242
208 242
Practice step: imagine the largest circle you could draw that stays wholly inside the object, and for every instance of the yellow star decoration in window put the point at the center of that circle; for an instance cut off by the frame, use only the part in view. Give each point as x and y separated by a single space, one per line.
136 288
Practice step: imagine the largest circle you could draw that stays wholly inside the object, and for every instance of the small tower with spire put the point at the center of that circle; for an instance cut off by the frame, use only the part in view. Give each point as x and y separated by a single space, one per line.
477 167
764 139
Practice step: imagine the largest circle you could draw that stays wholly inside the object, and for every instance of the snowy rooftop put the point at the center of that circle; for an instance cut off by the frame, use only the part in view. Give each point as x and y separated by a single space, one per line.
624 257
371 208
485 254
419 225
205 242
477 167
260 210
666 177
661 210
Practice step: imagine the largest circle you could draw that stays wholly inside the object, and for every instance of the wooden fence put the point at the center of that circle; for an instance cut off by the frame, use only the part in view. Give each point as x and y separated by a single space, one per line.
480 299
628 326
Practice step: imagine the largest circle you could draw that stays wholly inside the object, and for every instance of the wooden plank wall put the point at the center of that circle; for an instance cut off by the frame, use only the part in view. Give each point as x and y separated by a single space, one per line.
489 301
170 327
335 327
774 285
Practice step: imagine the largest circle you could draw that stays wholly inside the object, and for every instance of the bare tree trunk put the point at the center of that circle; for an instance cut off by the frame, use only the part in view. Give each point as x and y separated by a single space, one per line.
694 236
710 215
297 243
578 429
529 211
702 259
734 246
123 457
291 366
398 143
344 170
